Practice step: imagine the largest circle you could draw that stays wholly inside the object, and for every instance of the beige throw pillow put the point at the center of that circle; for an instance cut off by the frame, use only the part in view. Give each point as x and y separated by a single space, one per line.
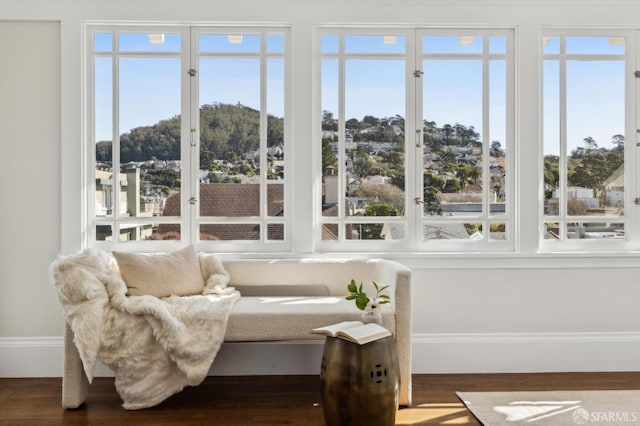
161 275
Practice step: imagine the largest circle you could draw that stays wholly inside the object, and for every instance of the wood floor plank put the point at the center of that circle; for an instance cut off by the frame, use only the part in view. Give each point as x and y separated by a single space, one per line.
273 400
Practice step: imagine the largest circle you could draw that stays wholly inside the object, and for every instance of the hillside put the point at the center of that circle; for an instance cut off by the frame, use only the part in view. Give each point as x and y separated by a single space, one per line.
227 131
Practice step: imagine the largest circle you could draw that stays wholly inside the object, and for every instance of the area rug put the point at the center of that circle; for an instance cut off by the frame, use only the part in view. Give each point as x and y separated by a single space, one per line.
563 408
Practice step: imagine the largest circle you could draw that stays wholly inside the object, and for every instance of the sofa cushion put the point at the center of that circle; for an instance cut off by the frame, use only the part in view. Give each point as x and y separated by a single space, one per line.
162 274
291 318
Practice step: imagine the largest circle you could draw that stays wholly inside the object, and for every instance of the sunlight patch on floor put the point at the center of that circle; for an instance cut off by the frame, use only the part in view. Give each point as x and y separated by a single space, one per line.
435 413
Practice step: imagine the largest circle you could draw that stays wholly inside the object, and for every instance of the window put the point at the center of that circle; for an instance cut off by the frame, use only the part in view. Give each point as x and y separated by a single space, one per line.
364 83
585 81
417 140
189 136
466 164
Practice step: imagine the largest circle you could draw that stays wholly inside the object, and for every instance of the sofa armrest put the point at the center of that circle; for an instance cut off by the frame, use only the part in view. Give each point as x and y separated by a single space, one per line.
75 385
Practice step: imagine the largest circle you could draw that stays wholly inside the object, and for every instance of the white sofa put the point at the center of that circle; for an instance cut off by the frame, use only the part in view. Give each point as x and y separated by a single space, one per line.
284 300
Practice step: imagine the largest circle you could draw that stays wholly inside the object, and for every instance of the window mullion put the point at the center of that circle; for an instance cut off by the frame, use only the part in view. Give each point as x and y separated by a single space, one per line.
190 136
263 138
115 144
342 134
486 123
562 196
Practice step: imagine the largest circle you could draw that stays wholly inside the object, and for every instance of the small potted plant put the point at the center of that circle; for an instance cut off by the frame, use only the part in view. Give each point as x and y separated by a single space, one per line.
370 305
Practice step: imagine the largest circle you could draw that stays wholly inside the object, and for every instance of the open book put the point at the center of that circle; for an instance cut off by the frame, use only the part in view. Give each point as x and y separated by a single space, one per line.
354 331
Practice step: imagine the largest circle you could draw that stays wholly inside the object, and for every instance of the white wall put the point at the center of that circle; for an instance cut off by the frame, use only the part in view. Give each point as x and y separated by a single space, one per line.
29 176
528 312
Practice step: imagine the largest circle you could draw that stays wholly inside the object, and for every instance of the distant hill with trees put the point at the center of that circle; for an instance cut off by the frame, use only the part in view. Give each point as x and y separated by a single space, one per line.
226 132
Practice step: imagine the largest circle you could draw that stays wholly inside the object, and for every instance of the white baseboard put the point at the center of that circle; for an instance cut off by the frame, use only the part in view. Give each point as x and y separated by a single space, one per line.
525 352
432 353
31 357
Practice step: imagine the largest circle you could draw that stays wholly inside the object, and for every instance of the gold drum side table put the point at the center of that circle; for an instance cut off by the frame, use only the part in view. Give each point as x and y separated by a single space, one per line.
359 383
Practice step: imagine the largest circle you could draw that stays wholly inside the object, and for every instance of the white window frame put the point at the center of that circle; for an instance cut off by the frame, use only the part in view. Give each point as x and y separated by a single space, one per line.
508 218
632 96
343 244
414 218
263 220
189 219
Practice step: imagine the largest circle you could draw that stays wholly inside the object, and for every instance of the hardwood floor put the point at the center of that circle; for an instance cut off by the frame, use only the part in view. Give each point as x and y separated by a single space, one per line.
273 400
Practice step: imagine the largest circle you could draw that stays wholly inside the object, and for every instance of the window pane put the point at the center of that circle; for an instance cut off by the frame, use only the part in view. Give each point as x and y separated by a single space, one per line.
156 42
149 135
452 231
375 231
329 44
275 119
103 42
149 231
374 44
497 136
595 137
229 43
551 135
498 44
452 44
104 232
275 232
375 172
580 230
596 45
329 232
166 231
275 43
452 98
552 231
550 45
229 232
230 137
498 231
103 136
330 147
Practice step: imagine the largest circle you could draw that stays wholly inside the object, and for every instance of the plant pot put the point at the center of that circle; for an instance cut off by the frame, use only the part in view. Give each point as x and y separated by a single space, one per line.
372 316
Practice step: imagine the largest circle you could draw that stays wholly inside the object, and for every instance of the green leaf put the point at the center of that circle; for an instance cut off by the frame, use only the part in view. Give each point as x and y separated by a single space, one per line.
384 296
351 297
352 287
362 301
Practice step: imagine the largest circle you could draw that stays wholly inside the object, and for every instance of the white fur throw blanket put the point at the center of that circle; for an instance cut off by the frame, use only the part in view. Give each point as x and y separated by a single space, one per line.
155 346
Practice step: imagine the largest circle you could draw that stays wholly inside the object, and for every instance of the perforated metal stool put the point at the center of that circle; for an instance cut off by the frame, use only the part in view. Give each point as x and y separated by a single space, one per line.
359 383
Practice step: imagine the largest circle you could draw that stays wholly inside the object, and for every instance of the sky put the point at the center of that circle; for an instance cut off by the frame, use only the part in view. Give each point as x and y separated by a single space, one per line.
149 88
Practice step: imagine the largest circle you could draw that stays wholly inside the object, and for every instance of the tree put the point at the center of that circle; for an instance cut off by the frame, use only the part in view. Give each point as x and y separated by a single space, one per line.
589 143
452 186
371 120
551 172
618 142
352 123
104 151
431 201
582 177
431 180
329 159
496 149
382 193
328 122
371 231
447 129
362 164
